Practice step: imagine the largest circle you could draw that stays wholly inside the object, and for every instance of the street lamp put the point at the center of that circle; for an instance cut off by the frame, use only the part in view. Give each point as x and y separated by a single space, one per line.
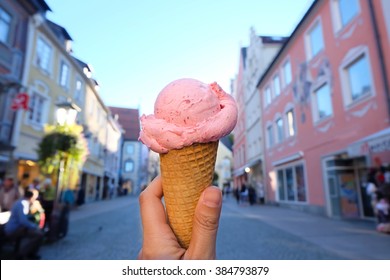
66 114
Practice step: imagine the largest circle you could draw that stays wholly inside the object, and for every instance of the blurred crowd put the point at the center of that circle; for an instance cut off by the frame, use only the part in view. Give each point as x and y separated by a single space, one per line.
31 215
378 189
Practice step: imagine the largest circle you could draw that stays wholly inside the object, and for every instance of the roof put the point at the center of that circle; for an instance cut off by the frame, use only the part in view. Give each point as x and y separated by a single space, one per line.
227 141
273 39
81 63
40 5
287 41
129 120
59 31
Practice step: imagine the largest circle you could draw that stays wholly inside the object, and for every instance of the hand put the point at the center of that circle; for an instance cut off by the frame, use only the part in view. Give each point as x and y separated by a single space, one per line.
159 241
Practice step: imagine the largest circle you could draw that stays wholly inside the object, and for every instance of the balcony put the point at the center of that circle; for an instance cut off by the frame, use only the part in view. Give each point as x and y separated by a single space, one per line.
11 59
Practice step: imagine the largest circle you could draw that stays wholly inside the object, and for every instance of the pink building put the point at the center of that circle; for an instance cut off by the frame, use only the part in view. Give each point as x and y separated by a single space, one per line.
326 108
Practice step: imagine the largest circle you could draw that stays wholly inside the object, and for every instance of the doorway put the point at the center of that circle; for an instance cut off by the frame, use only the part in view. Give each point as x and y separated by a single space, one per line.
345 185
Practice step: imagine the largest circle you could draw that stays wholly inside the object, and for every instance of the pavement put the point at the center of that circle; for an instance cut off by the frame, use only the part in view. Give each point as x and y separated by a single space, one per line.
348 239
111 229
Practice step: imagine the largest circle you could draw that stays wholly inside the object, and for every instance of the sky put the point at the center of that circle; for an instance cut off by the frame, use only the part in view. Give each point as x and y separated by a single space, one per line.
137 47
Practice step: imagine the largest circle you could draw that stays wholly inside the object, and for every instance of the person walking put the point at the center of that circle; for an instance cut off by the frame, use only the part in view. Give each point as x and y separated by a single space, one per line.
48 193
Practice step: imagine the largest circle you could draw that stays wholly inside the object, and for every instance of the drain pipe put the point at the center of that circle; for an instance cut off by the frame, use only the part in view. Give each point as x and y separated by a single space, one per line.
380 53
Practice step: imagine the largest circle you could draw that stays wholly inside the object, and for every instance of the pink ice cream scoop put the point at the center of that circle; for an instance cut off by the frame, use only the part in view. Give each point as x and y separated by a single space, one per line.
188 111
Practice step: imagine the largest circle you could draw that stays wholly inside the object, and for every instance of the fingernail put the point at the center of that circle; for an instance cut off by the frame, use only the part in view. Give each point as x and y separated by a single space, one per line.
212 197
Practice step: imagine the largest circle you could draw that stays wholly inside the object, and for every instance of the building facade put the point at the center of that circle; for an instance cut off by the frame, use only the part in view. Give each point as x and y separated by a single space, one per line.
239 144
328 125
52 75
14 18
224 163
134 157
254 60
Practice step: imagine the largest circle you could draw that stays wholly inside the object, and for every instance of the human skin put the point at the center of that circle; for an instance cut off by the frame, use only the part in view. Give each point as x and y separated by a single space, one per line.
159 241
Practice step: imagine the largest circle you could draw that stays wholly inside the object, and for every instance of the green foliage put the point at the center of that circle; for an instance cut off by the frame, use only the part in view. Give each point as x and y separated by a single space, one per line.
62 144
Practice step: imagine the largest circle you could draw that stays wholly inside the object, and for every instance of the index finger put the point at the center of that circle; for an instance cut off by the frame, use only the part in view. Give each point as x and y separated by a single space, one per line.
152 210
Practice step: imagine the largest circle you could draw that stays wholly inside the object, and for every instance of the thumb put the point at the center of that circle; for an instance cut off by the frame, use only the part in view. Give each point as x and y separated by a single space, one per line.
205 225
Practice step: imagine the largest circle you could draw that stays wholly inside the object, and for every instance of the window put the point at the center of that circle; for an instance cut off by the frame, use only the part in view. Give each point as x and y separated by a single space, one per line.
130 149
277 85
270 134
287 73
129 166
291 183
281 185
78 93
359 78
348 10
5 24
43 55
268 96
300 183
316 43
36 108
290 123
64 74
279 129
322 107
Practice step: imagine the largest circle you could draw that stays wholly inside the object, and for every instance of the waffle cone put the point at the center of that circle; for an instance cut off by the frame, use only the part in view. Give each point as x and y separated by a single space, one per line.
185 174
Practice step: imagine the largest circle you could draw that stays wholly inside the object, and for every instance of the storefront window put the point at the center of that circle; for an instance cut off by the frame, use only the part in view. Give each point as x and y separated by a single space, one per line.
292 184
300 183
281 185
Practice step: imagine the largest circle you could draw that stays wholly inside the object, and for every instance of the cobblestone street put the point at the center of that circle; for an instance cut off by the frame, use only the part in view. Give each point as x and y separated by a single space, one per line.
112 230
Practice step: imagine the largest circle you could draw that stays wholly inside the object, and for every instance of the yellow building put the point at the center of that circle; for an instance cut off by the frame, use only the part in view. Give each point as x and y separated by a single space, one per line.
224 163
52 75
49 79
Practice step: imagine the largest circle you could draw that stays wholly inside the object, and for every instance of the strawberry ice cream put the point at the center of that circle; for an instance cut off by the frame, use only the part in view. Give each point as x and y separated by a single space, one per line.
188 111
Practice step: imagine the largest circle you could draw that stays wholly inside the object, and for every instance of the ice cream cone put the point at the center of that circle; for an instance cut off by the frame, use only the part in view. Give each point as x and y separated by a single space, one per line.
185 174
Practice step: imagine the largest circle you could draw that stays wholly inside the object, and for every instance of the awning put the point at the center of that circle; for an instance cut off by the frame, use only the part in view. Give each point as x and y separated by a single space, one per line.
375 143
240 171
288 159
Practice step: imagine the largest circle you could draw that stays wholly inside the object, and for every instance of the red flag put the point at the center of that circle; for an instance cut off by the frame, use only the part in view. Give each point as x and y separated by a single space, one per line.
20 101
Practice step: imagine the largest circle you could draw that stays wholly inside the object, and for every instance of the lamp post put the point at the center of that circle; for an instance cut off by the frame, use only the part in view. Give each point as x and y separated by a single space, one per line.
66 114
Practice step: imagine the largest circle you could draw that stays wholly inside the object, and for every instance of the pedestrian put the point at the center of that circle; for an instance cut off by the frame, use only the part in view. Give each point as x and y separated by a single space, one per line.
244 193
383 213
159 241
80 197
21 227
48 197
237 194
9 194
251 195
35 185
260 191
371 190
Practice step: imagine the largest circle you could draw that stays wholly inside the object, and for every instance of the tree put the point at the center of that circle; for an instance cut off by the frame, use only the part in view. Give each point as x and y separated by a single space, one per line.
62 145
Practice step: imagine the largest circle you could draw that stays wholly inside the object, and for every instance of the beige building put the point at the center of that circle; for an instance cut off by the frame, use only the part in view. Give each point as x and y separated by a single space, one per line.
48 79
224 163
53 75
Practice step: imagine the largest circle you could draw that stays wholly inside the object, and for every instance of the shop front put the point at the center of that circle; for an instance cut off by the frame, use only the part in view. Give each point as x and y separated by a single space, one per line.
346 175
92 181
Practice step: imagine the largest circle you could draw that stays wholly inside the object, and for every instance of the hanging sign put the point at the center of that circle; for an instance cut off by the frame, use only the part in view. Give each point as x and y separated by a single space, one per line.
20 101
